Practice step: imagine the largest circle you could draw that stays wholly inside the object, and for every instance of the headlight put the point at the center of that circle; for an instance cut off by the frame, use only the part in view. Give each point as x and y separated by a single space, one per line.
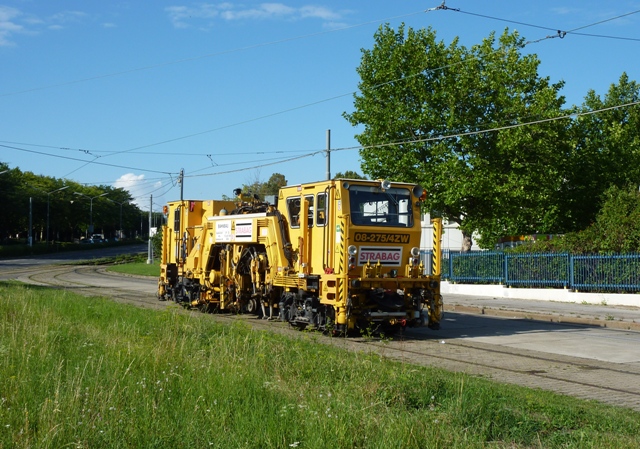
415 252
385 184
352 250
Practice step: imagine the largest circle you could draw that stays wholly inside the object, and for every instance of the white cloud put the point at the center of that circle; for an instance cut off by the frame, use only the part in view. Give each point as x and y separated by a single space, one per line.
263 11
68 16
561 10
183 16
319 12
14 21
8 25
180 15
138 187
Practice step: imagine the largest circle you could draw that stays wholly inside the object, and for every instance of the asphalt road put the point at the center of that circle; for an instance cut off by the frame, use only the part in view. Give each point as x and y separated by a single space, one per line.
72 256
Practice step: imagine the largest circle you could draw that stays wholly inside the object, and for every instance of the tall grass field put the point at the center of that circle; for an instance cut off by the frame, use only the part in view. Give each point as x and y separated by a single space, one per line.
78 372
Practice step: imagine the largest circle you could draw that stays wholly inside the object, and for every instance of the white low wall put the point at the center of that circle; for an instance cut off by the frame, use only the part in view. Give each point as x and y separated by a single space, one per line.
541 294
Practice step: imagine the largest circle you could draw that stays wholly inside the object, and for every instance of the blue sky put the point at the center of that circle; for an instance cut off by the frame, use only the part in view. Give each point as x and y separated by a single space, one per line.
127 93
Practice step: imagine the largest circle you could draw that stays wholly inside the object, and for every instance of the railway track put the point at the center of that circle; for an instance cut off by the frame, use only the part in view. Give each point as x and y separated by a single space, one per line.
612 383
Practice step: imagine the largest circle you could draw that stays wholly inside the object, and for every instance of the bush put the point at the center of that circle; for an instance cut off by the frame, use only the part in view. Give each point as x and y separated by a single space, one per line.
615 230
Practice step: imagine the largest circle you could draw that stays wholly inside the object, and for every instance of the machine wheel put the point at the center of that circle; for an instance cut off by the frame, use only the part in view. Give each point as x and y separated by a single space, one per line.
204 308
293 318
253 306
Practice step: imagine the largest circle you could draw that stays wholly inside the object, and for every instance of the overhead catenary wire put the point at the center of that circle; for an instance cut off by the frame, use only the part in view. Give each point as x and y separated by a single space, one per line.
571 115
559 32
296 108
95 161
490 130
82 160
217 54
256 166
412 141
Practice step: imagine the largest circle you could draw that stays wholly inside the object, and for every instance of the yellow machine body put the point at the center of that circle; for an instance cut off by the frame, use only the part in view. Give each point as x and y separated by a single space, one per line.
339 255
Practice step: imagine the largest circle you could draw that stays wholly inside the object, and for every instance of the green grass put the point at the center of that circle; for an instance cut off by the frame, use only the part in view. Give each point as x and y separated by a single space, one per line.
83 372
139 267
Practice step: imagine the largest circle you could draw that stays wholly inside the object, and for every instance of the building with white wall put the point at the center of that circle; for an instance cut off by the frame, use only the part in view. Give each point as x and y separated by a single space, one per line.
451 236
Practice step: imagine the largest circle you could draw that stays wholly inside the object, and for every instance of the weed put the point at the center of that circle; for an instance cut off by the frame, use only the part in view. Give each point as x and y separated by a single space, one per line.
88 372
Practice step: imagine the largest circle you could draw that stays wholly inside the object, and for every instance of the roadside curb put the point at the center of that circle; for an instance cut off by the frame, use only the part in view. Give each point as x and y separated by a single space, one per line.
537 316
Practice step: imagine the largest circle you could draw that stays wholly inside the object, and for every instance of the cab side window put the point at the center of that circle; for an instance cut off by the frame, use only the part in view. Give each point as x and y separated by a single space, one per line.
321 210
293 208
309 199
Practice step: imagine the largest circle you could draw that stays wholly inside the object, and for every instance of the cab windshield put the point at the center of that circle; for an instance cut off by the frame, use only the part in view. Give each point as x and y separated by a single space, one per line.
372 206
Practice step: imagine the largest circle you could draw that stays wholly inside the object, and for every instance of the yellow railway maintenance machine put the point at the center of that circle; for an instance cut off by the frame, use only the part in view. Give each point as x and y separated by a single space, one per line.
338 256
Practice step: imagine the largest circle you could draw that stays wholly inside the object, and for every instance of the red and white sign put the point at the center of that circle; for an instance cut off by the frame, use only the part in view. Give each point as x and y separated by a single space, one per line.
388 256
244 231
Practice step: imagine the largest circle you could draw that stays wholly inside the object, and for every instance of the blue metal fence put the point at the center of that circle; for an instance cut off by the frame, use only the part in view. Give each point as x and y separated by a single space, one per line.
616 273
536 270
583 273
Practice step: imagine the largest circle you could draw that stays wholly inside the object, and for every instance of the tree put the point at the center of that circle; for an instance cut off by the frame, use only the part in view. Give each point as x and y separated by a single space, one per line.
606 152
426 109
349 174
9 196
618 221
616 227
261 189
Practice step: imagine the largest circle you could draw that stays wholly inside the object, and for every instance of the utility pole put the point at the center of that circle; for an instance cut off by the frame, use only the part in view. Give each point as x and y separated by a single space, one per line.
180 211
150 255
29 240
181 184
48 201
328 155
91 198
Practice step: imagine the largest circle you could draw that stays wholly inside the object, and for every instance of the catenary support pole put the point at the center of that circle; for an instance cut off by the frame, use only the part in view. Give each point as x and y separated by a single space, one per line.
181 184
30 238
328 155
149 254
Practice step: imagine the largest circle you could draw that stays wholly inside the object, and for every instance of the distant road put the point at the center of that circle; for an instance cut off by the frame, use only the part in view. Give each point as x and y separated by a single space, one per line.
71 256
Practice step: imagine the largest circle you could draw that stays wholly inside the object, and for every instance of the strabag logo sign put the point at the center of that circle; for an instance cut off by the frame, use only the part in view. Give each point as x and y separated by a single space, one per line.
388 256
244 231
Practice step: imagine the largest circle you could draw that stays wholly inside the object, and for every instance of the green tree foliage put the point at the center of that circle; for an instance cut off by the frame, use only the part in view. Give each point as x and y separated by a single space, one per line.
67 205
261 189
618 221
349 174
606 152
434 103
616 228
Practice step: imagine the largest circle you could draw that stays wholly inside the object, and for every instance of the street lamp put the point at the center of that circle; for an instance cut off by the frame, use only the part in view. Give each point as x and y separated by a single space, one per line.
91 198
48 196
118 202
48 201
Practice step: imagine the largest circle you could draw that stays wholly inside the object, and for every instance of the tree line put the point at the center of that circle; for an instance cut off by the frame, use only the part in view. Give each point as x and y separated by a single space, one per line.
492 141
66 208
